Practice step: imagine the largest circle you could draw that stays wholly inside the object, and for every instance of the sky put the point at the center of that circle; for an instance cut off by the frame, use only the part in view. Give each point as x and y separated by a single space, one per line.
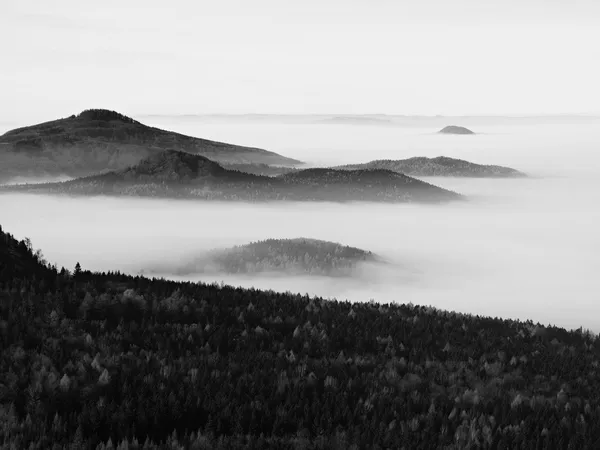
425 57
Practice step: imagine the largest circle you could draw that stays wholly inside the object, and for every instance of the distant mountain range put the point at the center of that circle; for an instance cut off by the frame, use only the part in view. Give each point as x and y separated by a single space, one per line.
99 140
441 166
298 256
377 119
175 174
354 120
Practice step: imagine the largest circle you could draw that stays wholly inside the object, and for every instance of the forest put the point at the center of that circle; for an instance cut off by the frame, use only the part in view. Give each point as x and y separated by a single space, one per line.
111 361
301 255
441 166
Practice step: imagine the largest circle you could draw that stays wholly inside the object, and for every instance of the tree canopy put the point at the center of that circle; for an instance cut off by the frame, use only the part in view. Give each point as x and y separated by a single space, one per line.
108 360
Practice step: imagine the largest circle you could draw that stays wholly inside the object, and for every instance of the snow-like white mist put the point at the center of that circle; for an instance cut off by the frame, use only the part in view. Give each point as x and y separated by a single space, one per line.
520 248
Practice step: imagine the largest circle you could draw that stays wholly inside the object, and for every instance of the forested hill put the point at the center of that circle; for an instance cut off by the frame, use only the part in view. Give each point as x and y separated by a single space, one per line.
290 256
441 166
174 174
100 140
101 361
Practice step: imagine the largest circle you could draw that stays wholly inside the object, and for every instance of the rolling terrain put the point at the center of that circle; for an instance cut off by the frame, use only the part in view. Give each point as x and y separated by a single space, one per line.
175 174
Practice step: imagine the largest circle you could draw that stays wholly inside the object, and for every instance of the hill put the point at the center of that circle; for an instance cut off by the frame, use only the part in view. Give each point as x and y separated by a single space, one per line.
440 166
290 256
453 129
100 140
174 174
107 360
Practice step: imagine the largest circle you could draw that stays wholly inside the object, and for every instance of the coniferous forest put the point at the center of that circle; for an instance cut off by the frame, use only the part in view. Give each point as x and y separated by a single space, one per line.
107 360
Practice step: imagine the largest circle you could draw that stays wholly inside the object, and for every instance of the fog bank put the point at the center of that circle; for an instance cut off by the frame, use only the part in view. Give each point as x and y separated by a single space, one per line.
519 248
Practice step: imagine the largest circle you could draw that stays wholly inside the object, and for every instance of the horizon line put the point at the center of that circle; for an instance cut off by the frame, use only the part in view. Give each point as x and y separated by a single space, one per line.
432 116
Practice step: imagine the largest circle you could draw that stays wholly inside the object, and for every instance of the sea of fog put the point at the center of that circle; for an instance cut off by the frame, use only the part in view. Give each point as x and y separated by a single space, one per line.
521 248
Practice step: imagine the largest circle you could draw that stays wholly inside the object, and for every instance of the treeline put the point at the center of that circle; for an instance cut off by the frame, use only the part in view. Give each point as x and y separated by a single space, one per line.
106 360
439 166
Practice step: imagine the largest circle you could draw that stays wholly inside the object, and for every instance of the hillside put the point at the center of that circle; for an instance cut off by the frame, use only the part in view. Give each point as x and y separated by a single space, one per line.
440 166
262 169
290 256
100 140
371 185
106 360
174 174
453 129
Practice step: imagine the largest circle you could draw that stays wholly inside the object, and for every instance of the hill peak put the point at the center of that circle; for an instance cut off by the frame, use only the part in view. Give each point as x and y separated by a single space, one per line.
104 115
173 165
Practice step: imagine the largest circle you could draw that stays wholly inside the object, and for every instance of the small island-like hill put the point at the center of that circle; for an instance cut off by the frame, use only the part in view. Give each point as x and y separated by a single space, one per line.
99 140
300 256
175 174
454 129
441 166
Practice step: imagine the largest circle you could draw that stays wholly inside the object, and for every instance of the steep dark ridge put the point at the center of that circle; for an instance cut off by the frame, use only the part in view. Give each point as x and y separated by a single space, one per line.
439 166
102 140
18 260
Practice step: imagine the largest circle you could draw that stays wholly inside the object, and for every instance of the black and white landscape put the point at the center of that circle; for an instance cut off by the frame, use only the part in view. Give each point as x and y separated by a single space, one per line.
487 254
302 225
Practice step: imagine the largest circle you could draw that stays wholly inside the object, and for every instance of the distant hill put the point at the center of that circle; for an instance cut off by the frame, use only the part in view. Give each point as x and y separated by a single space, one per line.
100 140
290 256
441 166
175 174
453 129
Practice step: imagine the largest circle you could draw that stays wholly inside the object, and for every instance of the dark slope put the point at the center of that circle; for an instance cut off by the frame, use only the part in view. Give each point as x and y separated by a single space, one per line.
17 259
101 140
440 166
377 184
174 174
261 169
453 129
156 364
289 256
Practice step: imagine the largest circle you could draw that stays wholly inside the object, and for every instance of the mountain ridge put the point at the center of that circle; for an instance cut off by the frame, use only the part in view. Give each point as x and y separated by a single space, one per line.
175 174
437 166
103 140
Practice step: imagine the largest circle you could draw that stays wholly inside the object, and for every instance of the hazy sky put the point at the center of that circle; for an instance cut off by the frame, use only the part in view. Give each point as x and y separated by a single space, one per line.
307 56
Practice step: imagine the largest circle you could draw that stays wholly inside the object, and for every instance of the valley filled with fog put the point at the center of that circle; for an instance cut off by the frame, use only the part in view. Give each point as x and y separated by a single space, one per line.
520 248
